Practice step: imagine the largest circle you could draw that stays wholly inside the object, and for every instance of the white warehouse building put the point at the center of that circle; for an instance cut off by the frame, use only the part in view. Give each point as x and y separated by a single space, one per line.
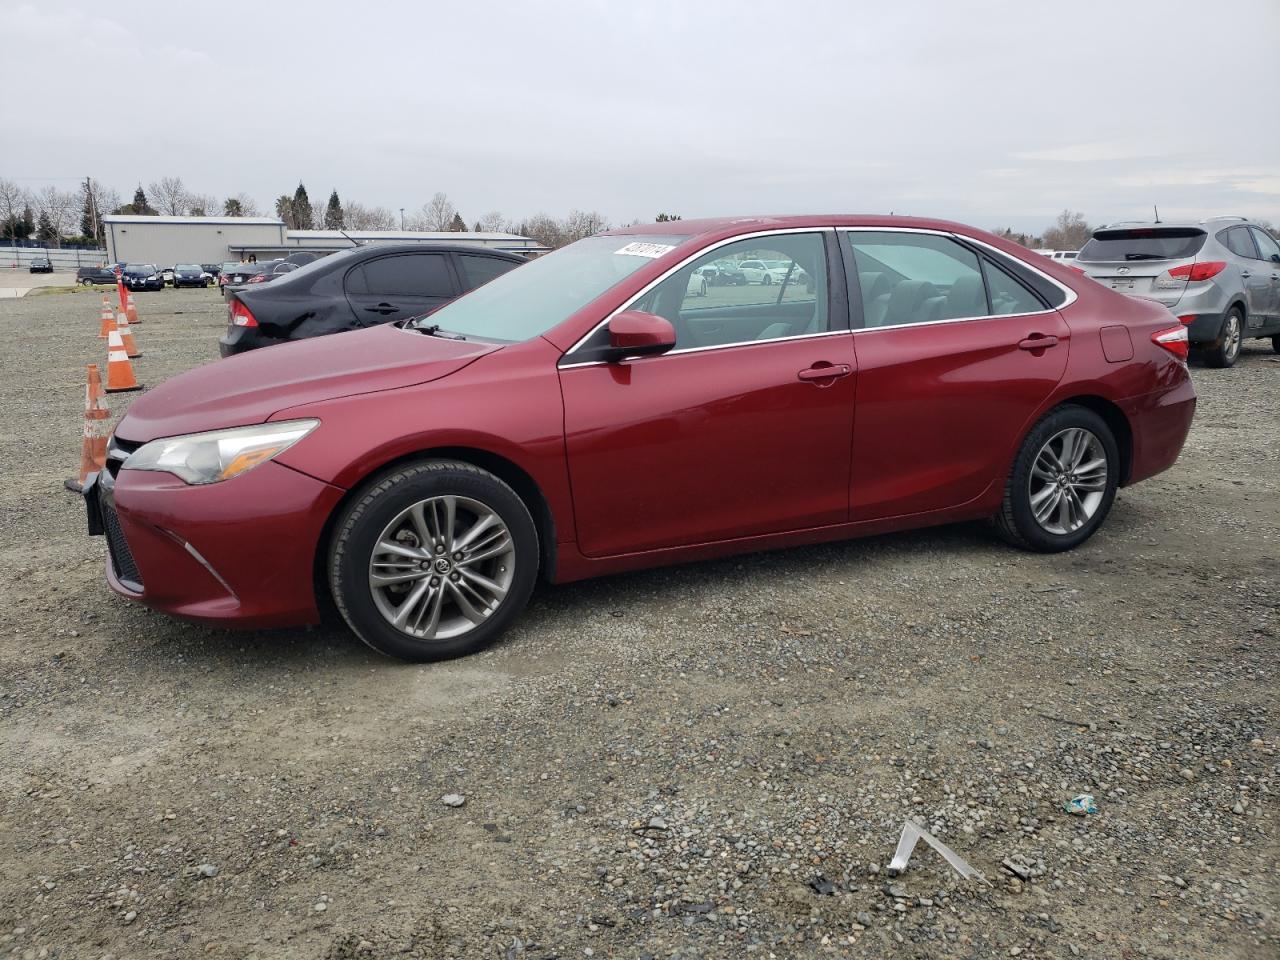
166 241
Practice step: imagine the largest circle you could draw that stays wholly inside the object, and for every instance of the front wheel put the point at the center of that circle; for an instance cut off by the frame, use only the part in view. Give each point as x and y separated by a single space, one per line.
433 560
1275 344
1226 351
767 280
1062 484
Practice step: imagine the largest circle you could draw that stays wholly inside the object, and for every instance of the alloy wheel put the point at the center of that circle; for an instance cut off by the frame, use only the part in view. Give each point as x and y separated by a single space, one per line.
441 567
1231 337
1068 480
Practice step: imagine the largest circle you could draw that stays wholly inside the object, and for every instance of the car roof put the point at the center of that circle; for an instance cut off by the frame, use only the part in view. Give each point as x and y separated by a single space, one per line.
380 248
729 226
1210 223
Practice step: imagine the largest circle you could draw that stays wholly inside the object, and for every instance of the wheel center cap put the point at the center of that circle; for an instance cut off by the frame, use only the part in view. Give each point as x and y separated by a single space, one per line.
443 565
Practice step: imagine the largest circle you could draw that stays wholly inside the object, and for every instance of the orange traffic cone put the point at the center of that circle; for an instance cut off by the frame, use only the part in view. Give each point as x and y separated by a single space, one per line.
93 451
120 377
126 336
130 310
108 320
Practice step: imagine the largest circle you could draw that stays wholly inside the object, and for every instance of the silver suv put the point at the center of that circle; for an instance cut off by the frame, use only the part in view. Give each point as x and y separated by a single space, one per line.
1220 276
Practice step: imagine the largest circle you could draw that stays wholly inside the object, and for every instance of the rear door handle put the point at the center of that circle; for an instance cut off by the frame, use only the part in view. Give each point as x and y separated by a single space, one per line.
825 371
1037 341
383 308
1245 274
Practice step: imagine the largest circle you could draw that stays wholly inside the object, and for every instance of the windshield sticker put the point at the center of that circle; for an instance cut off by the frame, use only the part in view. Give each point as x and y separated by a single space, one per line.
651 250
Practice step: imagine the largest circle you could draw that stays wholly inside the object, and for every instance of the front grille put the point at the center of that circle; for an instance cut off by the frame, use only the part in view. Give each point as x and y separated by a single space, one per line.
121 559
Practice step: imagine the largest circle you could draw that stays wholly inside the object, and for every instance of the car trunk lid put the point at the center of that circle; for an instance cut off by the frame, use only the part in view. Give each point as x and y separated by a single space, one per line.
1137 260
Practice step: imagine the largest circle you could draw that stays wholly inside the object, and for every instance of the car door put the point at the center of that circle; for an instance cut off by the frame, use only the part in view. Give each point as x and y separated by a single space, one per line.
398 286
744 430
1254 276
1269 266
954 357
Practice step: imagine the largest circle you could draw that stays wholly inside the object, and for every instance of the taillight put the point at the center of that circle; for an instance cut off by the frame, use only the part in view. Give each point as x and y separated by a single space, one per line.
242 316
1173 339
1188 320
259 278
1199 271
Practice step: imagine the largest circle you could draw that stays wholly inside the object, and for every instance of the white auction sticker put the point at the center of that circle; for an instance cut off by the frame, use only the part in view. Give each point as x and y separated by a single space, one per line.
652 250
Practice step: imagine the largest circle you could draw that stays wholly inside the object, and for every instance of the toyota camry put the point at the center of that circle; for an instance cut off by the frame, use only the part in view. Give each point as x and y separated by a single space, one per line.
590 414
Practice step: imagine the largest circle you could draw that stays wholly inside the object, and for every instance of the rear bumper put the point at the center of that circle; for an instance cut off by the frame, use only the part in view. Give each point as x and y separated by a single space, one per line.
240 339
1204 328
1160 422
239 553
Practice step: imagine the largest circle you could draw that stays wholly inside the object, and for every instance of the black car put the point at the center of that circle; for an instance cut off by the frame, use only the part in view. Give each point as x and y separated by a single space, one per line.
242 273
212 269
190 275
41 265
358 288
142 276
87 276
254 273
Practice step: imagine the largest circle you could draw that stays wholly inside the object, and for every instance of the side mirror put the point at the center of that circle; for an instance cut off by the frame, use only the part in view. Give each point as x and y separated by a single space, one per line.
1276 257
634 333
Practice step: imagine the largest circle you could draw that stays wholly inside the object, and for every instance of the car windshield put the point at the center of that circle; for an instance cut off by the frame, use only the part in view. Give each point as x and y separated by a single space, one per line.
1147 243
533 298
139 267
187 266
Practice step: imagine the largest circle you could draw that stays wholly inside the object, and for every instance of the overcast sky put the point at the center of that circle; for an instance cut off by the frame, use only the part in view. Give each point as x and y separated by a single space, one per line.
993 112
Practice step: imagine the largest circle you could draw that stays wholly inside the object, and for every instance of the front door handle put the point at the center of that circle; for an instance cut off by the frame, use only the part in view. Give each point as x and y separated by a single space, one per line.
383 308
1038 341
825 371
1245 274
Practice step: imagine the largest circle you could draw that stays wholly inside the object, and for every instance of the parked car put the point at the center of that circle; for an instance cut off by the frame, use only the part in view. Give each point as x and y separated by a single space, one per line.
697 283
88 276
41 265
361 287
1220 276
227 270
190 275
142 276
212 269
724 273
582 415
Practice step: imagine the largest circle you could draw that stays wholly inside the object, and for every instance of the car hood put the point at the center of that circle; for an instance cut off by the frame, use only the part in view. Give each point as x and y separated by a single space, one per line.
250 387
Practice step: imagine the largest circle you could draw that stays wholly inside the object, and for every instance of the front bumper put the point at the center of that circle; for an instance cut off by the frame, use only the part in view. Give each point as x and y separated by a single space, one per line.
144 284
239 553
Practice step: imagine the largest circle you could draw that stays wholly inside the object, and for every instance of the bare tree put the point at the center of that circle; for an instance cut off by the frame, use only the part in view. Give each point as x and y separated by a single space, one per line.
203 205
356 216
59 208
1069 232
493 222
437 213
169 196
581 224
543 228
13 199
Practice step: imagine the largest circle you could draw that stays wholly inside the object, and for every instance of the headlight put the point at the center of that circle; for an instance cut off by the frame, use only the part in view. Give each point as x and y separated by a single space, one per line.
219 454
152 277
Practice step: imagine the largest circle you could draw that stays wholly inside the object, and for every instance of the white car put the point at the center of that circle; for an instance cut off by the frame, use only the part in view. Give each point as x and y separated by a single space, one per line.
697 283
1058 254
764 271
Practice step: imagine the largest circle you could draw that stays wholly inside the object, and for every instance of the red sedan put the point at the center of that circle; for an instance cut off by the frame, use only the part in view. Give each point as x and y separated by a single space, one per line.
590 412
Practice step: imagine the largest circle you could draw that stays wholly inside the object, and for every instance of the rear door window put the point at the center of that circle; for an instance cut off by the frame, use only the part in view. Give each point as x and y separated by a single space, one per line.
916 278
1143 243
477 270
404 275
1267 246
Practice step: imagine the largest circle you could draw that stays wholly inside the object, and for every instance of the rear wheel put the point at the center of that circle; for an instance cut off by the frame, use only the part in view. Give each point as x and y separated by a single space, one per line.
1275 344
1226 351
433 560
1063 482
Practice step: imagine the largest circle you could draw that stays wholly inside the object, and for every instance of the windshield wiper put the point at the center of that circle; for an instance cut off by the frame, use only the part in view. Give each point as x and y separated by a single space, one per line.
1145 256
434 330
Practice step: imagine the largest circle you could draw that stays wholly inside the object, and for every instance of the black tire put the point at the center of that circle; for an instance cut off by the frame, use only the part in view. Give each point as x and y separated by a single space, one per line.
377 505
1225 351
1016 520
1275 344
86 283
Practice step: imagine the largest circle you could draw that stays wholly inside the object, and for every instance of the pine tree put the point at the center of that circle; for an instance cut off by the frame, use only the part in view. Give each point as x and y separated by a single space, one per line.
333 217
28 226
88 222
140 204
457 225
44 230
302 218
232 208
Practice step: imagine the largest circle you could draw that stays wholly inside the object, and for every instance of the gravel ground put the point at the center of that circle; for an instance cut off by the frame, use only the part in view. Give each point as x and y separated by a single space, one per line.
706 761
